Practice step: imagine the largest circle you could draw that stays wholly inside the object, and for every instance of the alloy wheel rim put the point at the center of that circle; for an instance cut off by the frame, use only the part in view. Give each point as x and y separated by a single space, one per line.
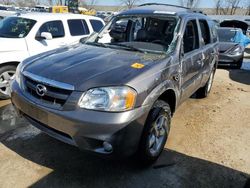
5 80
157 134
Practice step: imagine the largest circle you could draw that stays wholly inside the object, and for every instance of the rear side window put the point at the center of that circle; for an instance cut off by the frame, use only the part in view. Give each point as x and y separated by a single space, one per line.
78 27
97 25
54 27
205 32
214 33
191 37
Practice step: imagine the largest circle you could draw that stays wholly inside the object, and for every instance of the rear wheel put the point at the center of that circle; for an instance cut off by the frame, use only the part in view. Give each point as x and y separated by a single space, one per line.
7 74
155 133
204 91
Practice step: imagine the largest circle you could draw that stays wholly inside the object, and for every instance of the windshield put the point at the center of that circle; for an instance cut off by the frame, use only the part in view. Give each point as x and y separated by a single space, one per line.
227 35
15 27
138 33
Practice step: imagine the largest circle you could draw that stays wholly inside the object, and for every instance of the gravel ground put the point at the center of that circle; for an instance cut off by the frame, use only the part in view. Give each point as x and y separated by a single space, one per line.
208 147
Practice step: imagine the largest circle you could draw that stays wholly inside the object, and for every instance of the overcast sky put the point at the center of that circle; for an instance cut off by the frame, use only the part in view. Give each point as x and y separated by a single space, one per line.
203 3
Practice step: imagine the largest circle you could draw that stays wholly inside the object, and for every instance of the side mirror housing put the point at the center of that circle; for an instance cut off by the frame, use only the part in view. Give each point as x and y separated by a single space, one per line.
45 36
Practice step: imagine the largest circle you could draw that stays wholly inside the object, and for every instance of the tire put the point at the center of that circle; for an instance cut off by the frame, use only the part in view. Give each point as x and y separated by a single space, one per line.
6 76
204 91
151 145
239 64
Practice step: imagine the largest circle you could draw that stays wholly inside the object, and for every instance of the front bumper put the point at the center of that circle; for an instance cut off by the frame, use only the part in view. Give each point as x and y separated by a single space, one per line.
230 60
85 129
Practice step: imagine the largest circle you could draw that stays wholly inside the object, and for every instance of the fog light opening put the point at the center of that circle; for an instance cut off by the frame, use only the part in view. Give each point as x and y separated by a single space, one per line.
107 147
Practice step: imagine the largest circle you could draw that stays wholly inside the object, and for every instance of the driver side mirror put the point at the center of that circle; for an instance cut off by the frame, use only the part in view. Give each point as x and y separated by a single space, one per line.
45 36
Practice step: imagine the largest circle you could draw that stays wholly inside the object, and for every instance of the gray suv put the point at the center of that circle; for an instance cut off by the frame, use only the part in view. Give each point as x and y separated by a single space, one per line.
116 93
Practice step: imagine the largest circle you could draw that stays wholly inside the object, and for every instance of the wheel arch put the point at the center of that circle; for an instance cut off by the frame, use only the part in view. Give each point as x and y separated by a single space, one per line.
13 63
169 97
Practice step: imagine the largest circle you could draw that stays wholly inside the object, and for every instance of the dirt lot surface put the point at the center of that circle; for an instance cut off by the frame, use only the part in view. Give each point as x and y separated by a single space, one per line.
208 147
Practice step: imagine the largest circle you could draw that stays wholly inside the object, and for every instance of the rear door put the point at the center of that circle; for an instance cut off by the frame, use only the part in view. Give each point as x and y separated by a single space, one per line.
191 59
209 47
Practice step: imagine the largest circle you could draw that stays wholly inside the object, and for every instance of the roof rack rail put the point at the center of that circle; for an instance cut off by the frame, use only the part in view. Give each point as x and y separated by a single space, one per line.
146 4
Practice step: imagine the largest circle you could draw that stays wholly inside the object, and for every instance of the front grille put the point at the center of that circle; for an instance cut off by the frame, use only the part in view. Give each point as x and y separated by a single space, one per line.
53 95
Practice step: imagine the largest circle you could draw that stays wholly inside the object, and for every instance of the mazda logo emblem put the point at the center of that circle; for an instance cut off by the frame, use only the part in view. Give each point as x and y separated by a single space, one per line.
41 90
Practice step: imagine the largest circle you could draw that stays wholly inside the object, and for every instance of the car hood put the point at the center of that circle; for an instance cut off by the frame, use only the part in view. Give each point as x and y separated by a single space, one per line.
85 66
12 44
225 46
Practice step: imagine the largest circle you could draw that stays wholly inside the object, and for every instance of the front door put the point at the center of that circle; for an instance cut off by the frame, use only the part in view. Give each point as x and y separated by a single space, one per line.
39 45
191 60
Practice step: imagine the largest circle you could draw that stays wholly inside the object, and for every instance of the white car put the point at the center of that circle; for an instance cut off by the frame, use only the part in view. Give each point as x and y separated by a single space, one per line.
29 34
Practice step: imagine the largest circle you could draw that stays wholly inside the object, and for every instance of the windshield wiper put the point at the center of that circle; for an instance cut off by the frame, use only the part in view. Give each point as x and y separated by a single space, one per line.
130 48
97 44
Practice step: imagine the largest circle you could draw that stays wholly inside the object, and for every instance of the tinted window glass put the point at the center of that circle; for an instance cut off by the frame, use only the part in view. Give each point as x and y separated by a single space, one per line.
213 27
54 27
191 37
97 25
15 27
78 27
205 31
227 35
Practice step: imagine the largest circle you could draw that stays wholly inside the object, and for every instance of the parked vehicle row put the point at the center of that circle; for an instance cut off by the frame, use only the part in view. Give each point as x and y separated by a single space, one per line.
29 34
115 94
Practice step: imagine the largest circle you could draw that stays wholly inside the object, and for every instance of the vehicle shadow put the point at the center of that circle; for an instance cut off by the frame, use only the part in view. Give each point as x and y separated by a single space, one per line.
241 76
238 75
73 168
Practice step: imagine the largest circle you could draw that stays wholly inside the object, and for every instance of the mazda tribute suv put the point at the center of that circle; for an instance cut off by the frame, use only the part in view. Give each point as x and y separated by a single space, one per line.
115 93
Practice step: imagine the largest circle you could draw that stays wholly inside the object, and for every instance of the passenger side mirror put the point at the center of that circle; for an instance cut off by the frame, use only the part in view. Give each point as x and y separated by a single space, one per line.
46 36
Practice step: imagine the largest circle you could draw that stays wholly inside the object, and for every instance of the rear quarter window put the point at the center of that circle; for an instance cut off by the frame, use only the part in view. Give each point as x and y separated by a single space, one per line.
213 29
205 31
97 25
78 27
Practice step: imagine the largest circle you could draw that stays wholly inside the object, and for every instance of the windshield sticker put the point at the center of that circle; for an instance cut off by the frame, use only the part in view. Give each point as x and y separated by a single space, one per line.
164 12
137 66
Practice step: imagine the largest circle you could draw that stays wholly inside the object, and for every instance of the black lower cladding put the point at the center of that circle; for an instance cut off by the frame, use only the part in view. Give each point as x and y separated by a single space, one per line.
82 128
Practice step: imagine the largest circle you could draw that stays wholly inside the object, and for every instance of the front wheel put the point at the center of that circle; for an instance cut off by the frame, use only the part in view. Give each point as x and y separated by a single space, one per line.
155 133
7 74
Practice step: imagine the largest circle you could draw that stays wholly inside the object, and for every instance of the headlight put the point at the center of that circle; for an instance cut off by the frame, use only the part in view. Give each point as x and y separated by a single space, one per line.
236 50
113 99
18 73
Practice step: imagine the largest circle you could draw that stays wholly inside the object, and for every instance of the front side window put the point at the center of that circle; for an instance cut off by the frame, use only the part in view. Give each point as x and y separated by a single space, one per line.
191 37
54 27
138 33
15 27
78 27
